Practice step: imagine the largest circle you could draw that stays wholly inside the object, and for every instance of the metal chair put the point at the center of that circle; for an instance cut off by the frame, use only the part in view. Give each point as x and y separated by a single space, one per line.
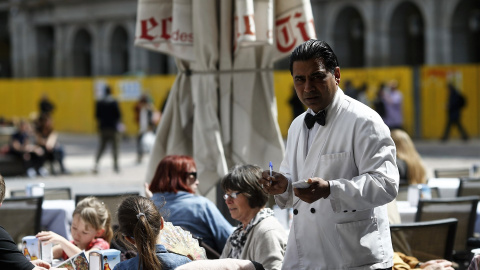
469 187
58 193
464 209
425 240
111 201
453 172
21 216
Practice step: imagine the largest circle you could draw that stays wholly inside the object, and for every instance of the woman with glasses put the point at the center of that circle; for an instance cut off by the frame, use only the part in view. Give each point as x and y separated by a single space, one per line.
173 186
259 237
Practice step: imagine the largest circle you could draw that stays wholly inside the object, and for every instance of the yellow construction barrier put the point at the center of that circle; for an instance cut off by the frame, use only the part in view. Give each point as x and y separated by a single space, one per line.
74 98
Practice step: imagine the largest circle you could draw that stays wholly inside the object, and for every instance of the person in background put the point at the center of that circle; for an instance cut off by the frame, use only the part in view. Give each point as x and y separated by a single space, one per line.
259 237
144 117
456 102
343 155
140 226
393 100
174 185
45 105
378 103
296 104
409 163
350 90
22 145
107 113
362 94
91 230
47 138
10 257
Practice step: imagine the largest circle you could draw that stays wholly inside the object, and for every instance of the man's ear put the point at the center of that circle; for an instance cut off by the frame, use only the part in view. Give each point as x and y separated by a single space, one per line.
336 73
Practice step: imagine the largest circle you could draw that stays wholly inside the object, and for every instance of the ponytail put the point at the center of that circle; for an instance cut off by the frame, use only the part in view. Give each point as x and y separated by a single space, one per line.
140 220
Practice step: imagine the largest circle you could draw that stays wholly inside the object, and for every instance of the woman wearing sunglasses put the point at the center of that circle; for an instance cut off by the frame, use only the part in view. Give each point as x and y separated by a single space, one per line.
259 237
173 186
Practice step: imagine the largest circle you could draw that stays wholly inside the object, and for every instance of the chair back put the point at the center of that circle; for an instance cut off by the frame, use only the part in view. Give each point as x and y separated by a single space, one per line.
111 201
58 193
469 187
425 240
21 216
452 172
464 209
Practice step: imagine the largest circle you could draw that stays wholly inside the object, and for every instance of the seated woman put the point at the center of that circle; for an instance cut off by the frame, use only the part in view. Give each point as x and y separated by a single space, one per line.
140 224
46 138
409 162
32 155
173 186
259 237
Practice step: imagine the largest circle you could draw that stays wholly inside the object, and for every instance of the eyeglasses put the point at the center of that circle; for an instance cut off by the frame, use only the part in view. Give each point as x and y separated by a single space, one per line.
233 195
194 174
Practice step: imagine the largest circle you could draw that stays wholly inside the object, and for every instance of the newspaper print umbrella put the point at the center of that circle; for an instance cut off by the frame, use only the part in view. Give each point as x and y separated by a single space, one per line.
222 109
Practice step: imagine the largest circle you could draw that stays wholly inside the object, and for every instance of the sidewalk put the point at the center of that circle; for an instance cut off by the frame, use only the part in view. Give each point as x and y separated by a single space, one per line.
81 149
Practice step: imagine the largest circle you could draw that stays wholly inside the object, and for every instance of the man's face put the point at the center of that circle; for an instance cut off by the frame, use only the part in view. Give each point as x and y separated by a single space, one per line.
315 86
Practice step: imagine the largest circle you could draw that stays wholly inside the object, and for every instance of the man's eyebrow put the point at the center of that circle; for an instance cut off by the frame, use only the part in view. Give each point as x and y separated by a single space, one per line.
298 76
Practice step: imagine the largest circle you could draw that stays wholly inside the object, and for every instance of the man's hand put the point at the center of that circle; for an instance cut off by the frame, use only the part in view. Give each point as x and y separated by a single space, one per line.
318 189
437 265
275 184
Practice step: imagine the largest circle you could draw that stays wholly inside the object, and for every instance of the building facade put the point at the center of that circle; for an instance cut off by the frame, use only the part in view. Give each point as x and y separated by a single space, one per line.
67 38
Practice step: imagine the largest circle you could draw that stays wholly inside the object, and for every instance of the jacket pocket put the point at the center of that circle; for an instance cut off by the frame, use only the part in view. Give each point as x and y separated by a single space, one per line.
360 242
338 165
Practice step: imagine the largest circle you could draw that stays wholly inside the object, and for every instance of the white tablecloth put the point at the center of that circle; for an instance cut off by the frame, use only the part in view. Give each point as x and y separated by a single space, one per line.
57 216
447 187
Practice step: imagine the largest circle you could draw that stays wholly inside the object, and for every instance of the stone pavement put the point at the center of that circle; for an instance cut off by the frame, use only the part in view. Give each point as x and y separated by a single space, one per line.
80 151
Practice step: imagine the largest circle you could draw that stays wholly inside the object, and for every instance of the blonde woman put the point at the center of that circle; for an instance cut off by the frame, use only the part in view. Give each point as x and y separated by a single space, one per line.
410 164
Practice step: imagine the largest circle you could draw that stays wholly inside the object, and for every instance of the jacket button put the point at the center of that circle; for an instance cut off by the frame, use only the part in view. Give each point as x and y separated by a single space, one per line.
345 211
312 210
354 210
295 211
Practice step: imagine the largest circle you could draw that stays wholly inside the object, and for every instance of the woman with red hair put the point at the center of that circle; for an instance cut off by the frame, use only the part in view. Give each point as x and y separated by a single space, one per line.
174 186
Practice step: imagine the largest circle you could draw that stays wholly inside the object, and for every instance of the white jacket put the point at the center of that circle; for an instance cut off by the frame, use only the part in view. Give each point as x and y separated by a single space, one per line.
355 153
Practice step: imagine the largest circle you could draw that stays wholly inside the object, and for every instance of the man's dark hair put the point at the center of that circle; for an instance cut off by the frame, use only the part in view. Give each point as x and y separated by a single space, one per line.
315 49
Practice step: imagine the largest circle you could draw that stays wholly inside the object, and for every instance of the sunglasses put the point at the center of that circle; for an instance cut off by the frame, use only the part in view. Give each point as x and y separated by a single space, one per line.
233 195
194 174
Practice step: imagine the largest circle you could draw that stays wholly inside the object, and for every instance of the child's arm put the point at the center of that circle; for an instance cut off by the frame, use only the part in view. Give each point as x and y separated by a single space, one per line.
63 244
100 244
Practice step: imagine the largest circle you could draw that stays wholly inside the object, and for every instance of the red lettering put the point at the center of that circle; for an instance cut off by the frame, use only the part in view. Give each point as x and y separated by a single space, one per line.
164 33
248 19
144 28
285 28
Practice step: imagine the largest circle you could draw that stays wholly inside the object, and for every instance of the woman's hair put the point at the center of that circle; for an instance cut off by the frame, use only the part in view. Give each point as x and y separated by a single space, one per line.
95 213
171 174
244 178
407 152
140 220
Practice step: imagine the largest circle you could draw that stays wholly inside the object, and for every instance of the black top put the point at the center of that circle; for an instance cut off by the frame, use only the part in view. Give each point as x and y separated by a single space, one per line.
10 257
107 113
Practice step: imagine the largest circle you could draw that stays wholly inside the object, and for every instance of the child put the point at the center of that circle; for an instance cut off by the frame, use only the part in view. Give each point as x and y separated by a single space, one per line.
140 224
90 229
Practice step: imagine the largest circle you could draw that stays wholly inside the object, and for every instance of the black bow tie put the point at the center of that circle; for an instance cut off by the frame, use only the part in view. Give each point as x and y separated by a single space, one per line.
319 118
